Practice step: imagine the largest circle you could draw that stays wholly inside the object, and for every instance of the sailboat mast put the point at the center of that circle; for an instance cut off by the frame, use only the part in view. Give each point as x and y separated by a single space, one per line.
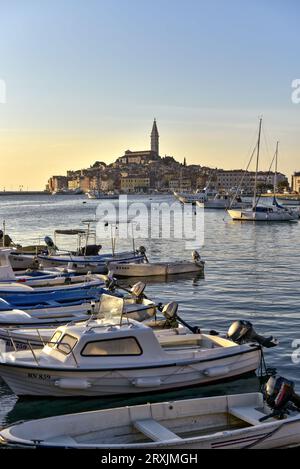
257 160
276 163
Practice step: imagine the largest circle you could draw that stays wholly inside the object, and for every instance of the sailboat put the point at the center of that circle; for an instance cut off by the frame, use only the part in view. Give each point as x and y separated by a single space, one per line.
274 212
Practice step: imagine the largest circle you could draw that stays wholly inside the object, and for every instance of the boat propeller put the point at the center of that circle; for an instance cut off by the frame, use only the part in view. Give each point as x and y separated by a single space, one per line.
243 331
280 396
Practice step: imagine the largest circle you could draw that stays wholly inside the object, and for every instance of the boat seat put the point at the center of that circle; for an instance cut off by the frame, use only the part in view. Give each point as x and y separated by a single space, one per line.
61 440
248 414
179 339
154 430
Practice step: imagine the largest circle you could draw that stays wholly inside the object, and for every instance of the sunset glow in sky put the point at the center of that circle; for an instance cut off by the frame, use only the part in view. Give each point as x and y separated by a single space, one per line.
84 80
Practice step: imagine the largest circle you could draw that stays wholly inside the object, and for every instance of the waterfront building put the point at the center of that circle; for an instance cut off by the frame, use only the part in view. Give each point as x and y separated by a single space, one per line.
296 182
58 183
135 184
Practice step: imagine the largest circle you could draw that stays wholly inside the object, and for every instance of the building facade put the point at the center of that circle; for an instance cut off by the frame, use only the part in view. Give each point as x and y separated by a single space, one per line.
296 182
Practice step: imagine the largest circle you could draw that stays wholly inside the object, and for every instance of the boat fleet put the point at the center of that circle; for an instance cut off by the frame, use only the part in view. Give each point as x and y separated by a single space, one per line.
65 333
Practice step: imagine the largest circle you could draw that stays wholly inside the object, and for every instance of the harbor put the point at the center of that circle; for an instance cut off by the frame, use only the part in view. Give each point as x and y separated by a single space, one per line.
149 229
246 277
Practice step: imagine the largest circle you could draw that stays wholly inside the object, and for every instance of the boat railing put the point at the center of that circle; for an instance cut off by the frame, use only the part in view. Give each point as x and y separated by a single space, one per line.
31 345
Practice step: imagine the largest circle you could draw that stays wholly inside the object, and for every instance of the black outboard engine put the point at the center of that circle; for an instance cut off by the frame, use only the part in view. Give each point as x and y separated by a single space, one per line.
280 396
242 332
50 244
142 251
196 256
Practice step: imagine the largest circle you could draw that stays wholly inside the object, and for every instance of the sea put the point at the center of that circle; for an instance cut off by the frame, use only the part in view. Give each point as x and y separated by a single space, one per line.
252 272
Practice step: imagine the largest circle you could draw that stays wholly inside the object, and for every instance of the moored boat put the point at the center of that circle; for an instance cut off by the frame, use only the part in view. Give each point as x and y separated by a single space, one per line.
240 421
124 357
150 269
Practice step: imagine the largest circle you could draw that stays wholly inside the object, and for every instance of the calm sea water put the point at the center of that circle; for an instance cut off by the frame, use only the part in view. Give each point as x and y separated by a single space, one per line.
252 272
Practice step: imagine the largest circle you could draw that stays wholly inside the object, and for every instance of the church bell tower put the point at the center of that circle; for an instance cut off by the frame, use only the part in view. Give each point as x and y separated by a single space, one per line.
155 138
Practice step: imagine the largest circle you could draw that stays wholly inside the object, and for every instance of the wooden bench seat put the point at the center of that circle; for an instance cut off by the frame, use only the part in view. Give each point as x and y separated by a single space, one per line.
248 414
154 430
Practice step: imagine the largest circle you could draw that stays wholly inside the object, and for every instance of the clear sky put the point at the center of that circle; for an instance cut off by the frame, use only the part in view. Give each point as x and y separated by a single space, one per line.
84 79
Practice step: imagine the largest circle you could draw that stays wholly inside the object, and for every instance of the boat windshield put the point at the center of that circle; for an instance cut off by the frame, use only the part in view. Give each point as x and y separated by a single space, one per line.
110 306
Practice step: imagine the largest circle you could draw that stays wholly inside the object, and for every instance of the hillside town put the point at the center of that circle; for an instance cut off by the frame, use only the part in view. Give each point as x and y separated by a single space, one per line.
145 171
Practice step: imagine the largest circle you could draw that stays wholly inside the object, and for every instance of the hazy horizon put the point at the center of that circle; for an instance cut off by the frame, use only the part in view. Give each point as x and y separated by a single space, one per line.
85 80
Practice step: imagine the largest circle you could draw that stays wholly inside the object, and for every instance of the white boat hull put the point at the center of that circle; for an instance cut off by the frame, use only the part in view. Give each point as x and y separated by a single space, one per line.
201 423
249 215
46 381
153 269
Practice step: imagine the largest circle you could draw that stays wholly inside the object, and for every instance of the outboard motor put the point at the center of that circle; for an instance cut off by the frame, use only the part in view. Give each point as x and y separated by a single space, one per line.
138 289
196 256
170 313
110 282
142 251
243 331
280 396
50 244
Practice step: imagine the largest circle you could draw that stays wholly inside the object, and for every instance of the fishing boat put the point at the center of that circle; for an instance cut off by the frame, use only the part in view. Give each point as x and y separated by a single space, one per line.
150 269
264 213
20 330
66 306
118 357
36 277
239 421
16 288
87 257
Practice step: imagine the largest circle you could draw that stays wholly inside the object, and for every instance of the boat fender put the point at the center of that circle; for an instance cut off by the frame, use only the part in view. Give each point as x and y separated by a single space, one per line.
69 383
216 371
146 382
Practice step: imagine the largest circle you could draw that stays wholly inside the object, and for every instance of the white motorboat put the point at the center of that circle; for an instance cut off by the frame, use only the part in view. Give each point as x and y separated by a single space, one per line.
223 202
240 421
264 213
123 357
132 306
150 269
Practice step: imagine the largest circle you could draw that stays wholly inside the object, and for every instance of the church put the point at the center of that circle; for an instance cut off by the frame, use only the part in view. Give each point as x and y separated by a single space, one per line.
145 156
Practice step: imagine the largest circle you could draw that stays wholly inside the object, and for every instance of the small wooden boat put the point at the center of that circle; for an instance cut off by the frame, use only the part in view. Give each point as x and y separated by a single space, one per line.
221 422
150 269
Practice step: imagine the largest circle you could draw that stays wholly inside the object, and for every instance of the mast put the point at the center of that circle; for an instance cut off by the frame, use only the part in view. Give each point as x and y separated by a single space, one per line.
257 160
275 175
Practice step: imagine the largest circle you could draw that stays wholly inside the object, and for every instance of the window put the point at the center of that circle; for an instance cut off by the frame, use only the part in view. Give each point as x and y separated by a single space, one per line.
66 344
112 347
54 339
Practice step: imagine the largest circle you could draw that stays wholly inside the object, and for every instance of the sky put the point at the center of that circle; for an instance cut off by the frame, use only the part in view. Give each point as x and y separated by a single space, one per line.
84 79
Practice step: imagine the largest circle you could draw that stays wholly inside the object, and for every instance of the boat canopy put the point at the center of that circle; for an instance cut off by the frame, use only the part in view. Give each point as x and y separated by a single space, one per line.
70 232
